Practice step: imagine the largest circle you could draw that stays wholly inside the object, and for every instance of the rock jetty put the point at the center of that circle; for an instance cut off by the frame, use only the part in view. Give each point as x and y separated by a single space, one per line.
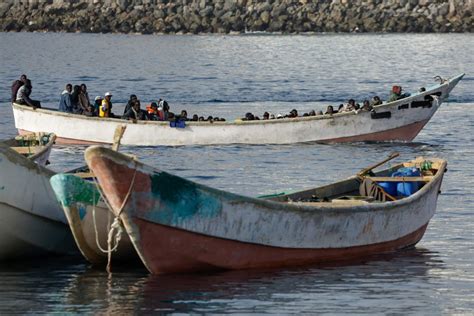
236 16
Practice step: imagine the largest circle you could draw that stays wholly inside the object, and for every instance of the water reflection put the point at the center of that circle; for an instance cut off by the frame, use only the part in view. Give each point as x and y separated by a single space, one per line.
393 277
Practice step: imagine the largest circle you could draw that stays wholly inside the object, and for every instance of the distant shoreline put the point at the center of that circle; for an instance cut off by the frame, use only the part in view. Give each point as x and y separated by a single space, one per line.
237 16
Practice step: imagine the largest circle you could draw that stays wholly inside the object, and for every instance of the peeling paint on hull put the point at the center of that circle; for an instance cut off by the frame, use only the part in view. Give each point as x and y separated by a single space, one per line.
248 227
183 251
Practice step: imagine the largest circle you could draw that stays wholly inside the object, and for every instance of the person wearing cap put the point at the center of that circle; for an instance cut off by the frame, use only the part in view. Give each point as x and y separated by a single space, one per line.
97 103
105 109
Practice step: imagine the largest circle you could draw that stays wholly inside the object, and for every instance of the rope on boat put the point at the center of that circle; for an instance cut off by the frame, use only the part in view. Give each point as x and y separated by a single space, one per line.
117 223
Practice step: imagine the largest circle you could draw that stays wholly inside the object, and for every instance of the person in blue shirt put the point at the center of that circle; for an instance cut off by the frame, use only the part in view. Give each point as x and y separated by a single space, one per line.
65 101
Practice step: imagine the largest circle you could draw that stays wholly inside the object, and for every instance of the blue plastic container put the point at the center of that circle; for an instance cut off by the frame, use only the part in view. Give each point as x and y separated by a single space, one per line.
406 188
389 187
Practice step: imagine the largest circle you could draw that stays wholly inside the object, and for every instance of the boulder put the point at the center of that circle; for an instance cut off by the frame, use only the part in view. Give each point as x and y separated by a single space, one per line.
265 17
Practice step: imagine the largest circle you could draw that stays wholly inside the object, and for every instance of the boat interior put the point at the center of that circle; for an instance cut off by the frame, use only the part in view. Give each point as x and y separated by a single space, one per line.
395 183
30 144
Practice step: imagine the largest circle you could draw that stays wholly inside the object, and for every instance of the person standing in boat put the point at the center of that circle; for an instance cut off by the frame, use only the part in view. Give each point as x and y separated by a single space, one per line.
65 101
105 109
84 101
23 95
17 85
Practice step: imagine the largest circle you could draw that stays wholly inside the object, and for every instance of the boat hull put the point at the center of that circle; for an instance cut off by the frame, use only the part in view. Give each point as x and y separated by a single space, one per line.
184 251
163 214
400 120
24 235
29 208
89 219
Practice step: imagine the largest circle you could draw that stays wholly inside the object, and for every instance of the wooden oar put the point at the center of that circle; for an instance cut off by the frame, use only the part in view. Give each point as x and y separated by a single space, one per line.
363 172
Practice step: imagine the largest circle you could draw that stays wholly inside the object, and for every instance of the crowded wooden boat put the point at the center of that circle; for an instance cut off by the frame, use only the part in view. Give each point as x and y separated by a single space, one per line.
177 225
398 119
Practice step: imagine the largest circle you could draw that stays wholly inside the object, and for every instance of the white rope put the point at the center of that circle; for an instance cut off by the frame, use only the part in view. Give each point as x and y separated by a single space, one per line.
117 223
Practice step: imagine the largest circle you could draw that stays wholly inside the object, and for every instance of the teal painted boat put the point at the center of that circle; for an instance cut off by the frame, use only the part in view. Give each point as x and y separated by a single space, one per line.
89 218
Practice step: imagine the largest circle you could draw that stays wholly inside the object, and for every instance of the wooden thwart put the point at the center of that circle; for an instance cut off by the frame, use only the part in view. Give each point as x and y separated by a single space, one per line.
27 150
401 179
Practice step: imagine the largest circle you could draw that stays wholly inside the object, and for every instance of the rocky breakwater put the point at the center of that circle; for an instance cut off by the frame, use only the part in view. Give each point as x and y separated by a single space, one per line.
227 16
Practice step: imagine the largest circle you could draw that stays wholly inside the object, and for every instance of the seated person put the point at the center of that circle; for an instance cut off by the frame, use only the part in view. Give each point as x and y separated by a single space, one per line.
293 113
396 94
266 116
195 118
248 117
376 101
17 85
105 109
129 105
23 95
312 113
350 106
135 113
97 103
152 111
184 115
366 106
65 100
330 110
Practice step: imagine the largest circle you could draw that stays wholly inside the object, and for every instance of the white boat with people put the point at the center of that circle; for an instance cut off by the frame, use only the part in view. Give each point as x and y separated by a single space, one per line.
398 120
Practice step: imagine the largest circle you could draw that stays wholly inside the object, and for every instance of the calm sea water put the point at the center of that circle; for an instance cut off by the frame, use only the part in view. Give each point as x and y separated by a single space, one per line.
229 76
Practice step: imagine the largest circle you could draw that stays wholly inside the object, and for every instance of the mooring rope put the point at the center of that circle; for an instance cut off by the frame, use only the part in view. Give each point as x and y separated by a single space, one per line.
117 223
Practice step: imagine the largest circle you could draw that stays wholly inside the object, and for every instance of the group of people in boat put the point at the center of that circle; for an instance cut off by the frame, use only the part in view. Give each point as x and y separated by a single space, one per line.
349 107
75 99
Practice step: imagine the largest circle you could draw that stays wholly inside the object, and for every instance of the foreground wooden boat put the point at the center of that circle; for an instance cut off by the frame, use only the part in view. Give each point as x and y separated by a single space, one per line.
179 226
32 222
400 120
35 146
89 218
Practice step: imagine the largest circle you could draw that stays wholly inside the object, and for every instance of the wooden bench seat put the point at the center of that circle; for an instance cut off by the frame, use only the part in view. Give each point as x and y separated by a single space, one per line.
27 150
401 179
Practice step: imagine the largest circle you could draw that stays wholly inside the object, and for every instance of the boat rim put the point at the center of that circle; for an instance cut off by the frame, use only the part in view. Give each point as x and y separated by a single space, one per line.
120 158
